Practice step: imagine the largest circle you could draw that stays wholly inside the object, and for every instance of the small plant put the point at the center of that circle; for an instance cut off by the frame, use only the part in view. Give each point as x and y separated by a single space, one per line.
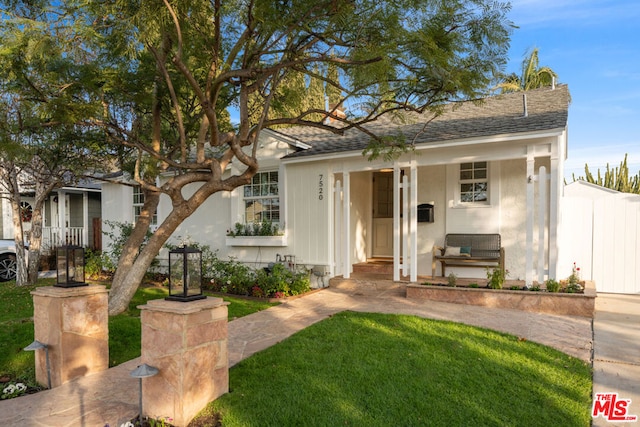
452 280
496 278
552 285
13 390
573 285
264 228
474 285
514 288
535 288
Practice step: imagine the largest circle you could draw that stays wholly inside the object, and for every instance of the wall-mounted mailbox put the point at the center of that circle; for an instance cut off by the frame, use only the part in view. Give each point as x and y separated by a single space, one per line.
425 212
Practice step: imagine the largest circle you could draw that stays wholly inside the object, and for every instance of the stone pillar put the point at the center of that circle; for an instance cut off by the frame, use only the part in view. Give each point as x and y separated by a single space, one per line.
187 342
73 323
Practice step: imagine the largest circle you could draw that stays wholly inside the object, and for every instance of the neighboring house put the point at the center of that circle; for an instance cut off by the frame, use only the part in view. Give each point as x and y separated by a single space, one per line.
71 216
601 234
491 167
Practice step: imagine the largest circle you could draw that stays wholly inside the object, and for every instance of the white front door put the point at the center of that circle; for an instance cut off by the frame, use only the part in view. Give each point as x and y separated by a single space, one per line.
382 214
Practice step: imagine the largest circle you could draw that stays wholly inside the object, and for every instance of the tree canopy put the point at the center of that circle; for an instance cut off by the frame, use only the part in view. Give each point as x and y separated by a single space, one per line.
160 81
533 76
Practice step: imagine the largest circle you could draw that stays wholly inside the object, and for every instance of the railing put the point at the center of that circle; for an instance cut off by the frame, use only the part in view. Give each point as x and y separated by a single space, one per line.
53 236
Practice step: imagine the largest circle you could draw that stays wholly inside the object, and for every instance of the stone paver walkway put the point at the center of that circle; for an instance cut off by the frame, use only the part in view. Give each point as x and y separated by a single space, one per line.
111 397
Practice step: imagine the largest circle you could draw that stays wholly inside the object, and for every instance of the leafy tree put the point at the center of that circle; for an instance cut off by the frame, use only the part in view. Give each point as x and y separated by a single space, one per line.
41 145
533 76
164 76
616 179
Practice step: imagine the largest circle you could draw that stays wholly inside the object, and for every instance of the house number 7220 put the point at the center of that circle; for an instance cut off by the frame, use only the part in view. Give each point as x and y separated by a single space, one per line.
320 187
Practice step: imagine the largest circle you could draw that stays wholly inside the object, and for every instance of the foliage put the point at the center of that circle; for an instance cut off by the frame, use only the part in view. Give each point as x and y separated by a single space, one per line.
156 82
552 285
264 228
533 76
496 277
237 278
231 277
393 363
616 179
118 234
452 279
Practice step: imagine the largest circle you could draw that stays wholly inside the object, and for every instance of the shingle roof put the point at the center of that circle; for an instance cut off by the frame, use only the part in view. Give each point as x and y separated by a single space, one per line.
547 109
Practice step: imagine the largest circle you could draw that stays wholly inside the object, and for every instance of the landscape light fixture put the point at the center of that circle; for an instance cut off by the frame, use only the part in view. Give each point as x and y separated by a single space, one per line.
37 345
143 371
70 266
185 274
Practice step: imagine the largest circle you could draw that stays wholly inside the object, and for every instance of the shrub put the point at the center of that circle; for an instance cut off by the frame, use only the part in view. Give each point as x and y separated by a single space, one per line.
552 285
496 278
452 280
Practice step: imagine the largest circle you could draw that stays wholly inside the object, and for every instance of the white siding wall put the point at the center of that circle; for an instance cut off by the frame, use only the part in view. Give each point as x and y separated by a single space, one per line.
431 189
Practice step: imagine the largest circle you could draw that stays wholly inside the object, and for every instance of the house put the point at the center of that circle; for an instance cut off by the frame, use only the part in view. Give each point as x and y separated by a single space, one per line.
71 216
490 167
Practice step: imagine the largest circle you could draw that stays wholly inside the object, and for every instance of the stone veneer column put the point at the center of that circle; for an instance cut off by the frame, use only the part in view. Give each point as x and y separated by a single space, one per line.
187 342
74 323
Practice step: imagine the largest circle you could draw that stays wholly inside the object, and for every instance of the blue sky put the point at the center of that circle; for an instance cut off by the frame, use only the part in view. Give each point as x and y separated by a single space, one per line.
594 47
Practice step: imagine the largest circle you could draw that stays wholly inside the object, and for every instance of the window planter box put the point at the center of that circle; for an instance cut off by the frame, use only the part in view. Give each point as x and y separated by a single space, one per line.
274 241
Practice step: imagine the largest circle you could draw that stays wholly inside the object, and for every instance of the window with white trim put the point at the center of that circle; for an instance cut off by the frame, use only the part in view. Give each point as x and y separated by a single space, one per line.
474 182
138 203
262 199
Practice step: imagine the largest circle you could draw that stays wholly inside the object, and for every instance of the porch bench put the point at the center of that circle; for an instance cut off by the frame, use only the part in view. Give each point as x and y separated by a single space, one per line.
469 250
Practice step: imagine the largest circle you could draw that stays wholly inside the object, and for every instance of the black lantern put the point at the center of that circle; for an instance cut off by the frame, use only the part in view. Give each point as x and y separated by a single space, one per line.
185 274
70 265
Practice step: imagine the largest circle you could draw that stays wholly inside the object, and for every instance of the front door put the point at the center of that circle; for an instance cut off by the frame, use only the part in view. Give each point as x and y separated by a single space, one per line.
382 214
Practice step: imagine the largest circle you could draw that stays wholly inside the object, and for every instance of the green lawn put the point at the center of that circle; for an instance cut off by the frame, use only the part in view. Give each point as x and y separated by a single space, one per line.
16 327
395 370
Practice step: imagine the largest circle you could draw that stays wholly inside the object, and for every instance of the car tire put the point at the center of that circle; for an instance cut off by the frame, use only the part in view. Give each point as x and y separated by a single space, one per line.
8 267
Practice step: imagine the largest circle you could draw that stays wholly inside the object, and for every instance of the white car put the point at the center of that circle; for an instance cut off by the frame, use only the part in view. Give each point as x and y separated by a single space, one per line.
8 263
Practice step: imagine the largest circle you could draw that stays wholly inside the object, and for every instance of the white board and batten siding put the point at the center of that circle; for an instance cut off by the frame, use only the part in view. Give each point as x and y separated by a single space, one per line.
601 234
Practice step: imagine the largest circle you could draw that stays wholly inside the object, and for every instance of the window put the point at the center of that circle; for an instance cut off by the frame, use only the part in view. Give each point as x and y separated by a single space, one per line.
138 203
261 198
474 182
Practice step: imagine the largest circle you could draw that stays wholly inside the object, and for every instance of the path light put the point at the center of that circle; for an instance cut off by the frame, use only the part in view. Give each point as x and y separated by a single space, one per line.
70 266
37 345
143 371
185 274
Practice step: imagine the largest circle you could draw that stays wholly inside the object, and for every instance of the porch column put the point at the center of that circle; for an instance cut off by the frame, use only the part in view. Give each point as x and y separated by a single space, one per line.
62 214
337 258
529 222
346 217
85 219
413 222
396 222
555 189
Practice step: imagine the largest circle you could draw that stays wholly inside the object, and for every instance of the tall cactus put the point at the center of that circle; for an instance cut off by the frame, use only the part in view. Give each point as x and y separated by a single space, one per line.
616 179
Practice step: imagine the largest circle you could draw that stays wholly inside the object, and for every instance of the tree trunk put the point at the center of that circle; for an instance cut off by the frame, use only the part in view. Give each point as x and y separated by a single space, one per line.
35 243
21 266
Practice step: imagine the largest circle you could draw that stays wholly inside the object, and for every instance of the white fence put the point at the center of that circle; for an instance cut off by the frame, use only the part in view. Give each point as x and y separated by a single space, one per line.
601 234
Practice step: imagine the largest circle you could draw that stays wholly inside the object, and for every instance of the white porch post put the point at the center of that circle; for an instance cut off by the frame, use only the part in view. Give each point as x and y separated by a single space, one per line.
337 230
413 222
62 215
85 219
529 222
555 186
542 209
396 222
404 230
346 229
